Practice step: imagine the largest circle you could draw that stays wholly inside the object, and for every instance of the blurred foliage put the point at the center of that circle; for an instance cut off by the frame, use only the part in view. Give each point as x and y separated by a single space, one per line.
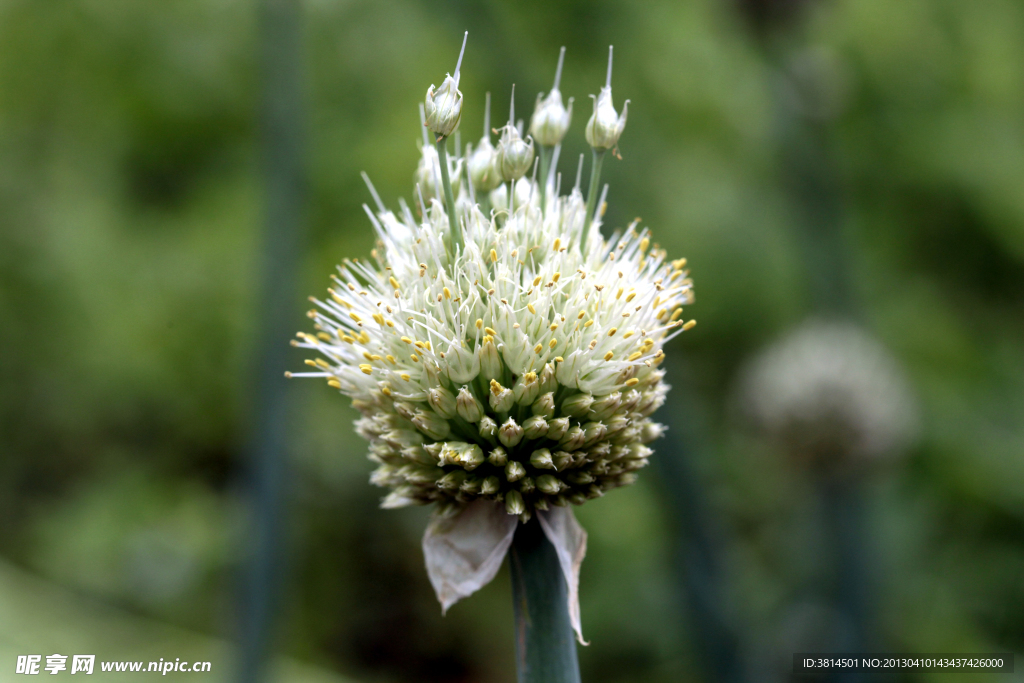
130 204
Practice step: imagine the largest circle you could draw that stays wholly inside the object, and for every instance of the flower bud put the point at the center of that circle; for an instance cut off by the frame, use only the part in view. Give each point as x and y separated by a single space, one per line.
605 125
606 406
550 119
500 398
483 172
488 428
544 405
651 431
510 433
420 474
557 428
443 107
617 424
453 480
577 498
630 401
580 477
577 405
593 431
472 485
514 157
405 409
498 457
400 497
562 460
431 424
490 486
490 360
541 459
526 389
470 457
548 380
514 504
535 427
468 408
442 401
514 470
573 438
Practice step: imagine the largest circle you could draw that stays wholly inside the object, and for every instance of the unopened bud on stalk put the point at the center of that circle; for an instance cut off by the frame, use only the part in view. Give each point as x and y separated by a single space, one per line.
526 388
468 408
498 457
442 401
443 107
541 459
544 405
488 428
514 503
557 428
605 125
551 119
490 360
510 433
431 424
483 172
535 427
577 405
514 155
514 470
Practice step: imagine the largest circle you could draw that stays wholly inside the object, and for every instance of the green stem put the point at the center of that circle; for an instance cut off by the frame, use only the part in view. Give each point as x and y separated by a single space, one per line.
545 644
595 180
545 161
449 198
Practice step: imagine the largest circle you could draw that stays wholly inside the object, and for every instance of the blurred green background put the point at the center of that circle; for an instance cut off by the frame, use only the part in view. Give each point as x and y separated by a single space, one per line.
131 205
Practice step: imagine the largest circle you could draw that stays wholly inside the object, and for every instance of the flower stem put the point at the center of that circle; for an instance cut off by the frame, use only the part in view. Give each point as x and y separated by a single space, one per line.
545 161
449 198
545 645
595 179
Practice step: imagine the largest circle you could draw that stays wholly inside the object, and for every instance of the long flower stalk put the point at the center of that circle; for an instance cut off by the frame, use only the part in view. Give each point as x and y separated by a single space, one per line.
545 644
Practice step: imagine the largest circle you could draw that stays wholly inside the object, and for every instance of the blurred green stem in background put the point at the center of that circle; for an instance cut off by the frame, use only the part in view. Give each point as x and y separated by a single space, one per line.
545 642
595 180
449 198
282 114
545 162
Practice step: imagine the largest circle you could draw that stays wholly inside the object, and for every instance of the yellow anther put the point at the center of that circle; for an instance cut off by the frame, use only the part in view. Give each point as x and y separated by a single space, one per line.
494 256
588 323
554 278
355 316
553 343
609 355
323 336
676 313
414 357
334 384
611 332
391 359
644 243
479 323
366 369
323 364
632 382
427 344
386 391
367 356
538 348
420 345
553 327
662 313
496 388
447 293
580 316
636 354
310 362
389 323
378 318
689 325
530 308
630 297
363 337
394 282
675 274
679 264
619 293
530 378
557 245
405 376
536 281
559 359
488 339
628 335
490 331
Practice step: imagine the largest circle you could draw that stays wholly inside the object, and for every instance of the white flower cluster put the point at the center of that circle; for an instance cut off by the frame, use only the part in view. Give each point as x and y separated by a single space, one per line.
516 361
831 394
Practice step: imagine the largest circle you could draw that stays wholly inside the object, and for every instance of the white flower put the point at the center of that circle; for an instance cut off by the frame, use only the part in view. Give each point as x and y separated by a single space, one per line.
523 319
831 394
